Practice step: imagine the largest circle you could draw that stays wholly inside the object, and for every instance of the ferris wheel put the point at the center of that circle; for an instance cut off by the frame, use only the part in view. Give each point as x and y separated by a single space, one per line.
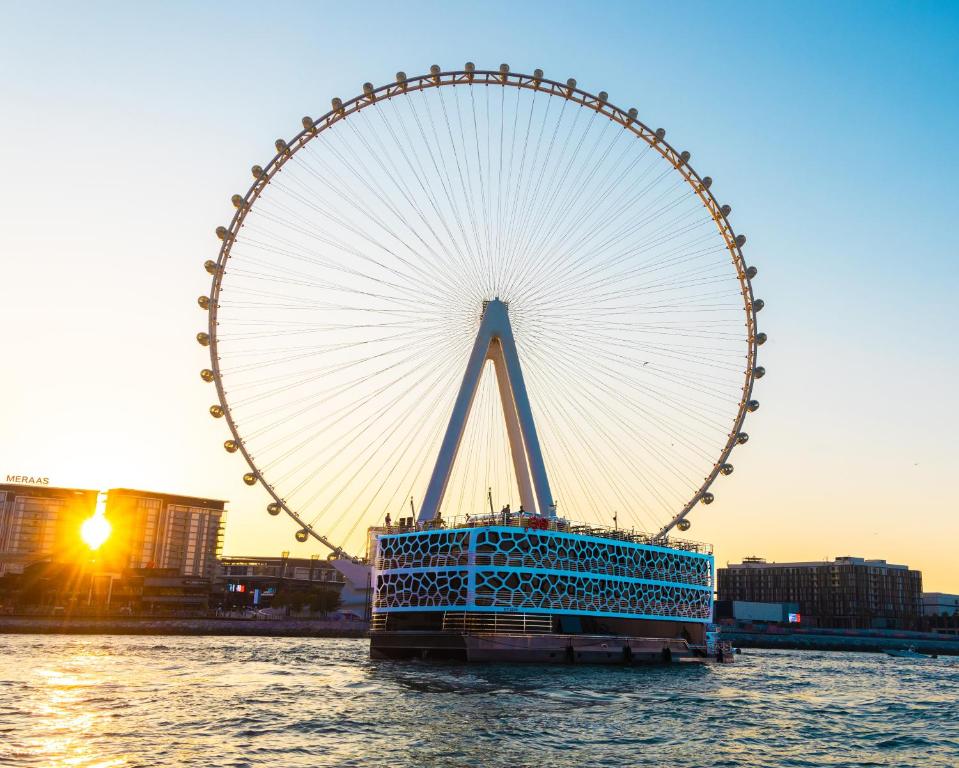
359 270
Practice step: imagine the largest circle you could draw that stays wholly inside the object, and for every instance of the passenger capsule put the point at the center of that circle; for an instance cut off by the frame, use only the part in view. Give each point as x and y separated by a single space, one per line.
470 67
740 240
216 411
708 498
761 338
301 535
238 201
742 438
308 123
603 97
230 446
537 74
633 113
726 469
726 210
257 172
707 182
759 371
250 478
571 83
401 77
222 233
210 266
684 156
684 525
337 103
758 304
504 69
435 69
203 301
203 339
281 146
368 89
751 272
752 406
274 509
660 133
207 375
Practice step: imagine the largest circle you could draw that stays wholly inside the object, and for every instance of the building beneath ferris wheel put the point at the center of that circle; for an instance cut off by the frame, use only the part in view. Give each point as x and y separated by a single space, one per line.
530 588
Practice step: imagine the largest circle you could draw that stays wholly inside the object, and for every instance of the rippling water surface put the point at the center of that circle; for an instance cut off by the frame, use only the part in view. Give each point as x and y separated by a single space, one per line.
134 701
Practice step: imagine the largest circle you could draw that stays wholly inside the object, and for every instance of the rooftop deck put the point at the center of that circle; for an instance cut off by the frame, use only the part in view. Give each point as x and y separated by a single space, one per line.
537 522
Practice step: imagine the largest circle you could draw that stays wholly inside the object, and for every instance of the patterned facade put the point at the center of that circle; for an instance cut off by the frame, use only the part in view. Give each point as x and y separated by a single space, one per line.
499 568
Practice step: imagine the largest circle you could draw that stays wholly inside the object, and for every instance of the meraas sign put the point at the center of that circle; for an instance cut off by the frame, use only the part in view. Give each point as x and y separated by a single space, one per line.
28 480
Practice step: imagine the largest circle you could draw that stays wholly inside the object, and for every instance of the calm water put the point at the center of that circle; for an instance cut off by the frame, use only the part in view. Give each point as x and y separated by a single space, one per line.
133 701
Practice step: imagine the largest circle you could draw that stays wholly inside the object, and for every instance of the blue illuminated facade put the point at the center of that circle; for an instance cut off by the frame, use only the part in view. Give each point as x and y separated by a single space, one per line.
501 568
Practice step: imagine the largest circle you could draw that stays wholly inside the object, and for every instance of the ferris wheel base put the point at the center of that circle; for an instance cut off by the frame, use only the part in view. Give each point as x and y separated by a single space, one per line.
490 647
549 592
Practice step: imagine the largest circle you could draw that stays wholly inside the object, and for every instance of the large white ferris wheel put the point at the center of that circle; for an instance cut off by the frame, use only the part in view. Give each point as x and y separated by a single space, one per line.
475 287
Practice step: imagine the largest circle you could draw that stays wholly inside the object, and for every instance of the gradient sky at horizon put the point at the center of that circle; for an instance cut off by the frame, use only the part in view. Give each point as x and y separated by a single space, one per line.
830 129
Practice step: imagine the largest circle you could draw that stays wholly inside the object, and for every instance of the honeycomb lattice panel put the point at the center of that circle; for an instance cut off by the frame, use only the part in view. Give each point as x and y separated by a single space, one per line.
536 549
425 589
436 549
510 569
579 593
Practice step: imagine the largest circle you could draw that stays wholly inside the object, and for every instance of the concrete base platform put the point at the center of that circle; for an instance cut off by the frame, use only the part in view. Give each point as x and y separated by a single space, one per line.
537 648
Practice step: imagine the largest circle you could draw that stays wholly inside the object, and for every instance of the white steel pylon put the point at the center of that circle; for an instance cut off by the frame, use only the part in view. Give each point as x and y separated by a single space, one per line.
495 342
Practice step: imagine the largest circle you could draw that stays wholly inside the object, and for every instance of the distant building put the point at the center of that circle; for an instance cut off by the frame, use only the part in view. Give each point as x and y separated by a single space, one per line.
39 522
149 530
159 591
850 592
772 613
940 604
255 581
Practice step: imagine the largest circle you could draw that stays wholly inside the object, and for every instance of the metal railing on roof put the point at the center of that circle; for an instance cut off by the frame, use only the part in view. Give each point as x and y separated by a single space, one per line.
537 522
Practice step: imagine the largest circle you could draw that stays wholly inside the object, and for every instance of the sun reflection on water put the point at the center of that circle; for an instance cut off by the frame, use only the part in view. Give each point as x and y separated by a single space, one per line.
66 719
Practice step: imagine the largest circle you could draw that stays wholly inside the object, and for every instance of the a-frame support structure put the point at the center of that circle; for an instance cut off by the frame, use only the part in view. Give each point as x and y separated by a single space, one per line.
495 342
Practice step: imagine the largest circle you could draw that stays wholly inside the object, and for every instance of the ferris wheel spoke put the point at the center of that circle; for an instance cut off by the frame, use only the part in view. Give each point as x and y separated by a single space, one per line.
366 452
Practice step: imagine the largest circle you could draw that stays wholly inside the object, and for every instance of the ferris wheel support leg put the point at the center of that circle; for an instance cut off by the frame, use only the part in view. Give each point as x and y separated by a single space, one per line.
514 431
440 478
534 454
494 341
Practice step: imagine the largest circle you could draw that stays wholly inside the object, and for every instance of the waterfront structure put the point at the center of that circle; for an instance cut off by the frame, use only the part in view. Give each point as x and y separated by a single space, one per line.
850 592
940 604
744 611
159 591
149 530
39 522
254 582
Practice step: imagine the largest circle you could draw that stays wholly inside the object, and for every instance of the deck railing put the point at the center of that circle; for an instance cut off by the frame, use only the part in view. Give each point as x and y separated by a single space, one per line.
538 522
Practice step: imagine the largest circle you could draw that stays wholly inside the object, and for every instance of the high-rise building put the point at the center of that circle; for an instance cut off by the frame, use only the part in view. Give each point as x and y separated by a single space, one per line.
162 530
149 530
39 522
849 592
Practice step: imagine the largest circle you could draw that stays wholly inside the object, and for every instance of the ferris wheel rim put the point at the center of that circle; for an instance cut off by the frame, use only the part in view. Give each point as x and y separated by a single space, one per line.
701 186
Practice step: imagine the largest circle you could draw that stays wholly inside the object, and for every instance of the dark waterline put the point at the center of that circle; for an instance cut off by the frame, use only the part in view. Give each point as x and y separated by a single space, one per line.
135 701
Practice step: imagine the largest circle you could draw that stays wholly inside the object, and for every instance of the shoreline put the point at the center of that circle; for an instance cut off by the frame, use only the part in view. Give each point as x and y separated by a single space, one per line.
46 625
836 642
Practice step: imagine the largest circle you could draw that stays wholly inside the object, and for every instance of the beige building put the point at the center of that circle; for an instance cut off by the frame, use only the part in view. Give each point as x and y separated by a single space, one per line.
149 530
39 522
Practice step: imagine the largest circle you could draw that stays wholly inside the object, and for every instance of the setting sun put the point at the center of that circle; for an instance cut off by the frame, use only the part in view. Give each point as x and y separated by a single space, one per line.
95 530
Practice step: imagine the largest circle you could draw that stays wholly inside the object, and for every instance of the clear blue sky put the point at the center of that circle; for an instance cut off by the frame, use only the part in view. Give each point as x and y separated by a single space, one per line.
829 127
